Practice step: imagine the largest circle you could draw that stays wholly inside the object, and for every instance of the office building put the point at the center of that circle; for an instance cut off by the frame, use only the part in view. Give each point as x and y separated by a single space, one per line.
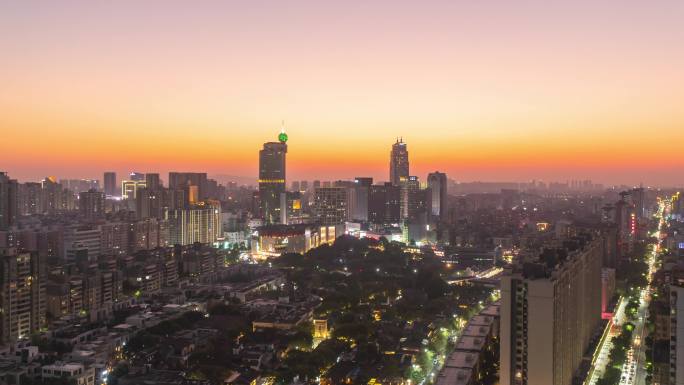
110 184
550 308
272 168
291 207
330 205
384 204
399 162
437 182
413 200
358 199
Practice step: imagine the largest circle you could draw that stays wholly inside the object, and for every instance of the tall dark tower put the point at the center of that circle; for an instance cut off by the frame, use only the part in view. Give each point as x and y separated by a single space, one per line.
272 177
399 163
437 181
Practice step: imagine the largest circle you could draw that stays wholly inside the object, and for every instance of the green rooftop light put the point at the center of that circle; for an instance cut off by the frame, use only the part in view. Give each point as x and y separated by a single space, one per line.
282 137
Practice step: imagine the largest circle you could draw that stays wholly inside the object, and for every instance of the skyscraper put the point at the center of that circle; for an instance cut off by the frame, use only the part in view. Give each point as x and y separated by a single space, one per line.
399 162
437 181
272 178
110 184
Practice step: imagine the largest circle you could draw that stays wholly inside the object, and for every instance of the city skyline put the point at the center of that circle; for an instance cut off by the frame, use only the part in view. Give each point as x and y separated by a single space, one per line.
480 91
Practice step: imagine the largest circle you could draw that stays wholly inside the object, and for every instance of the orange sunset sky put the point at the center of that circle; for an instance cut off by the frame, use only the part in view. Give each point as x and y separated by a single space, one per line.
490 90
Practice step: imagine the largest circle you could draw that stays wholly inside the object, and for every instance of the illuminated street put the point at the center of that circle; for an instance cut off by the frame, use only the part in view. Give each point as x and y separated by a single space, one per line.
634 371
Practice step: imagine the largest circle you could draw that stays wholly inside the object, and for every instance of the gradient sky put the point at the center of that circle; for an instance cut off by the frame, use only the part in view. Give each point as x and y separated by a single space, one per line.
483 90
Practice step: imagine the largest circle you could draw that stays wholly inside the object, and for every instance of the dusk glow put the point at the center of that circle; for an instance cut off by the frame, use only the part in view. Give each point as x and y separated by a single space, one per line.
484 91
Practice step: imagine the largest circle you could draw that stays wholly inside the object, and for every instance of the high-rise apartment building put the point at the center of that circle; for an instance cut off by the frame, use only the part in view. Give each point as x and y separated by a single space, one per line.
437 182
22 294
152 181
110 184
331 205
52 196
9 201
186 180
196 224
399 162
272 167
91 204
550 308
30 195
677 328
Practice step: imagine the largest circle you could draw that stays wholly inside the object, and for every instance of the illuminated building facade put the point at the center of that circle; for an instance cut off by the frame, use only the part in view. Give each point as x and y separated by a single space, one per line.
197 224
330 205
129 188
399 162
272 167
273 240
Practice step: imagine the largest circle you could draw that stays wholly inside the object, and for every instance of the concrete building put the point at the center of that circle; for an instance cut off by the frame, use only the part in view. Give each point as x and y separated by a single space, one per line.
91 204
273 240
437 182
677 329
197 224
22 294
399 163
384 204
550 307
331 205
9 201
110 184
272 178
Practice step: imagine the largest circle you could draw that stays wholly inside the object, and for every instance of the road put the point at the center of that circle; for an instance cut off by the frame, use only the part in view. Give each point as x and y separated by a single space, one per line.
634 370
601 356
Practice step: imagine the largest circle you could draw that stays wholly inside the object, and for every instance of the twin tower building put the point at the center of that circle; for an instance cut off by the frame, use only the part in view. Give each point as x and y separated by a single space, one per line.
401 199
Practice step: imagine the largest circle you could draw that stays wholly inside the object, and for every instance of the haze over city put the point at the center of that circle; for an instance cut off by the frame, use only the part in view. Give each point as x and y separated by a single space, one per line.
341 192
492 91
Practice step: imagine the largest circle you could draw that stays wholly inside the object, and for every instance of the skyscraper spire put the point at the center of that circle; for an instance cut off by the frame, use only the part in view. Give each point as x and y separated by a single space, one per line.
282 137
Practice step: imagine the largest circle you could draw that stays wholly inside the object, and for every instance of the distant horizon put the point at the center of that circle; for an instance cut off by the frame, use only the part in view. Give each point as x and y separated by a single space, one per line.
247 180
480 90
